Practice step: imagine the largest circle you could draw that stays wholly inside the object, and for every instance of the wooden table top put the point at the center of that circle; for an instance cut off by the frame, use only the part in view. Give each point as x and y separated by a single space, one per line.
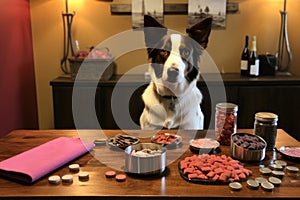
168 186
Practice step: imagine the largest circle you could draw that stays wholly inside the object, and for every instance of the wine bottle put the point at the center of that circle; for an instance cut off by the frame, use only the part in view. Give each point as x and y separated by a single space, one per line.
253 62
245 57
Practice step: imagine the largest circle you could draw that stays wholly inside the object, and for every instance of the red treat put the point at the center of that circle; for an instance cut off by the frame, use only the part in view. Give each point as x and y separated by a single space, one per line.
211 174
121 177
110 174
242 176
190 176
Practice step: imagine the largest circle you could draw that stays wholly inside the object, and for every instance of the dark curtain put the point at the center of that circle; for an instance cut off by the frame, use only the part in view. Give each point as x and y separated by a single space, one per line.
18 104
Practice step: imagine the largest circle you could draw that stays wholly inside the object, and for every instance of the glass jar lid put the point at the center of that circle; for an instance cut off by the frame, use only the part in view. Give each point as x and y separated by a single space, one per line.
266 116
227 106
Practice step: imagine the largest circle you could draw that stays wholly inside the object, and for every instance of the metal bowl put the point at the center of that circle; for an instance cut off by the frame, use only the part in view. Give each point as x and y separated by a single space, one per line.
145 164
245 154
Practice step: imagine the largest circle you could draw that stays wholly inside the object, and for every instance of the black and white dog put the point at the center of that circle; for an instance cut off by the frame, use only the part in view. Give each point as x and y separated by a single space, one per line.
172 99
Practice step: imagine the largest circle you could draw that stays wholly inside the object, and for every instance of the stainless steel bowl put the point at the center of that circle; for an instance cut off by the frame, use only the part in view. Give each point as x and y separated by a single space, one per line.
244 154
145 165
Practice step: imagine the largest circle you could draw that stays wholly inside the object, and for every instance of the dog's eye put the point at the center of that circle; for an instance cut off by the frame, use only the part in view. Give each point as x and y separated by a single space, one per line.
185 52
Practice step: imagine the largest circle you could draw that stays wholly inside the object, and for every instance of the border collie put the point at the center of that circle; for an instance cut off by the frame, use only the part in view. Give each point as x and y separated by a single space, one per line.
172 99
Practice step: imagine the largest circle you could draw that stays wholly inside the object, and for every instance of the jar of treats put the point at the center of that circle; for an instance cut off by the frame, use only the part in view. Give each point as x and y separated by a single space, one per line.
265 126
225 122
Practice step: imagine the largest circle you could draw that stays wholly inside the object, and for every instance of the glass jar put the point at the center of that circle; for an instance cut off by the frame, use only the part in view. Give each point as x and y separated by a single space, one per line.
265 126
225 122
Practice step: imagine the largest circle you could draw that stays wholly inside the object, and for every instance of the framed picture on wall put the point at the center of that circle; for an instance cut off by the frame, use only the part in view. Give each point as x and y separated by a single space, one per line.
198 9
155 8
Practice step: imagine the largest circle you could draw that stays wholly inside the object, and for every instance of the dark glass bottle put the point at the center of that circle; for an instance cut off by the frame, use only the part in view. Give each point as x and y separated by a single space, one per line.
245 57
253 62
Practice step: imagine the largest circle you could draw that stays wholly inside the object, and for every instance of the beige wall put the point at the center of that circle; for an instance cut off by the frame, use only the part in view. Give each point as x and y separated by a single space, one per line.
94 23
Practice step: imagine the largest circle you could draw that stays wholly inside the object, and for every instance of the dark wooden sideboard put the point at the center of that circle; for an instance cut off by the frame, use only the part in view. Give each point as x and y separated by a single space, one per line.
277 94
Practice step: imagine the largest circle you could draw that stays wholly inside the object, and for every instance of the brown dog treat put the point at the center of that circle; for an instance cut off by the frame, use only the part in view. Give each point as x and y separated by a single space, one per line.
74 168
121 177
110 174
68 178
83 175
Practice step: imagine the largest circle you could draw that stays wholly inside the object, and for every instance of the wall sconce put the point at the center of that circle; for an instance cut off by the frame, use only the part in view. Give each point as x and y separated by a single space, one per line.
284 46
68 38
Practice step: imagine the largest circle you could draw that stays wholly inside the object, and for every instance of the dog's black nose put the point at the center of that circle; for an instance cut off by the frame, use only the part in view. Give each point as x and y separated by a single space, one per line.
172 74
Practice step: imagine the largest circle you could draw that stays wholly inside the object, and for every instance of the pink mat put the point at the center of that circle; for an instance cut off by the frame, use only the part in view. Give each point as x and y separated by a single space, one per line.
35 163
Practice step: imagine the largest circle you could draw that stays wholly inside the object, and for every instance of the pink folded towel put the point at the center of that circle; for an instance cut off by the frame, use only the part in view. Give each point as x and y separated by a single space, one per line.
35 163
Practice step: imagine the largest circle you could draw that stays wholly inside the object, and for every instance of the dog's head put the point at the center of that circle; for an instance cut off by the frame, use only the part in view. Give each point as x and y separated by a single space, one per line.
174 57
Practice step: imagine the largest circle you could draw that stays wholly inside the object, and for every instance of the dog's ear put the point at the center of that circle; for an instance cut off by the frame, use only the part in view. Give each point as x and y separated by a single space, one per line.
151 22
154 32
201 31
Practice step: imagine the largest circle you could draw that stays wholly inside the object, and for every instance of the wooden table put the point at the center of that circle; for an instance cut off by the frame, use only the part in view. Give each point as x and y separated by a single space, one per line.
169 186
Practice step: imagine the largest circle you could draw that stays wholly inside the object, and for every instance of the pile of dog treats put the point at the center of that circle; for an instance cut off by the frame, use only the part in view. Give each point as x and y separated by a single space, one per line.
164 138
248 142
123 141
214 168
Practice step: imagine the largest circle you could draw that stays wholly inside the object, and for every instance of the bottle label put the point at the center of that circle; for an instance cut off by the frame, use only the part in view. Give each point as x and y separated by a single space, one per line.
244 64
254 69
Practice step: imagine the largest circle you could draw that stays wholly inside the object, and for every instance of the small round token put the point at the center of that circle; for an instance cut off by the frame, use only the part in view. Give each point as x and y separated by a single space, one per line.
252 184
68 178
110 174
275 181
74 167
278 174
235 186
120 177
281 163
292 169
83 175
99 142
55 179
275 167
267 186
260 180
265 171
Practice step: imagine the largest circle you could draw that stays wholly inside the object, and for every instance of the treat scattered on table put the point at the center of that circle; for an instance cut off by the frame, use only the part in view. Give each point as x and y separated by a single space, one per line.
68 178
278 174
235 186
99 142
214 168
252 184
84 175
281 163
121 177
292 169
267 186
260 179
74 168
275 167
265 170
110 174
55 179
275 181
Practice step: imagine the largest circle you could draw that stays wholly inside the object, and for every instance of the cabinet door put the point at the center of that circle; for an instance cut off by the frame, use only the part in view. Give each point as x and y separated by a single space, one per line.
62 103
281 100
122 106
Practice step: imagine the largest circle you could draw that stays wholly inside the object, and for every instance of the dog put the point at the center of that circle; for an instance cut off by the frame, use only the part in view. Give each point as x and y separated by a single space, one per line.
172 99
